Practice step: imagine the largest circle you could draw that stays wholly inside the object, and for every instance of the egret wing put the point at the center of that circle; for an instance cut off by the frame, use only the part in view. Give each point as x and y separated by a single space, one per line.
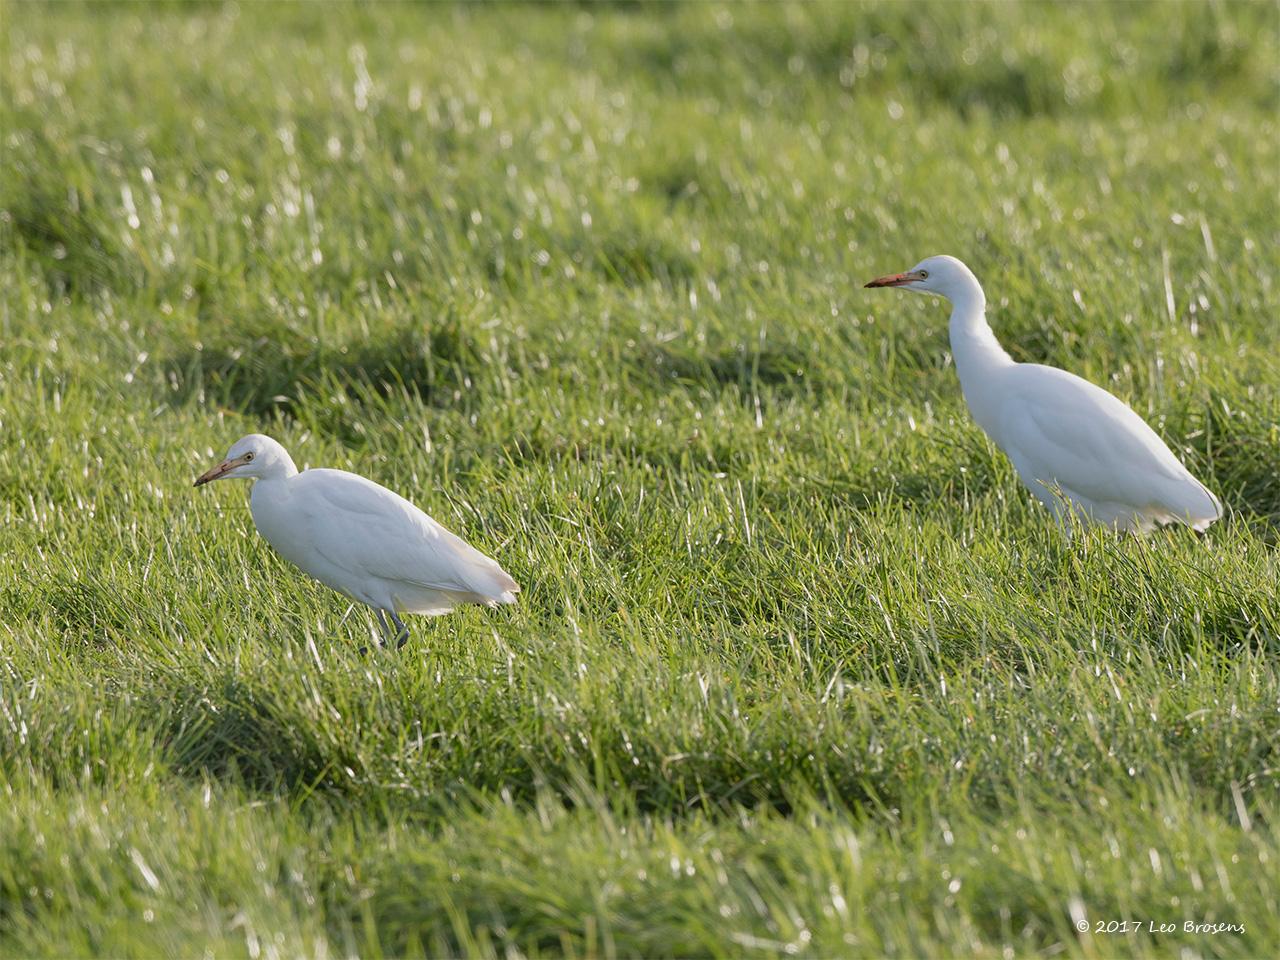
369 530
1080 437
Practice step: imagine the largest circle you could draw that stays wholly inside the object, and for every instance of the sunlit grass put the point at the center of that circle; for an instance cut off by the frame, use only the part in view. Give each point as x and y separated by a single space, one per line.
798 668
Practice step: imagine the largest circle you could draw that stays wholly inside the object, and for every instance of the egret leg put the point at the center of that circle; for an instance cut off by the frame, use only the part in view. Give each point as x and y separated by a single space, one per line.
402 630
382 622
385 631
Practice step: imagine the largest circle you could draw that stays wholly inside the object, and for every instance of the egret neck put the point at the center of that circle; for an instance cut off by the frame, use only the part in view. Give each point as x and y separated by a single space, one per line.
977 352
270 491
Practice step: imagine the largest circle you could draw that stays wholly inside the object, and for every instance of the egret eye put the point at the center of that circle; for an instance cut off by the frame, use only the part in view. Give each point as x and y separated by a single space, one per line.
924 274
248 456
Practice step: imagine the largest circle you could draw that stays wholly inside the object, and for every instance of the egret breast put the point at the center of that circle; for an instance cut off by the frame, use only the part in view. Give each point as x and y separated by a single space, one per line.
287 526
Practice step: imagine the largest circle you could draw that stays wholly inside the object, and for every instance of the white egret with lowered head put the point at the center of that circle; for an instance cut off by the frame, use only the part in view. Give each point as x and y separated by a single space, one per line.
1080 450
361 539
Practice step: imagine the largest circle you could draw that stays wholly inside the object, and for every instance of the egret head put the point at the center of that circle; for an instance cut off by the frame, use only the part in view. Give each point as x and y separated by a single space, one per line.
254 456
941 275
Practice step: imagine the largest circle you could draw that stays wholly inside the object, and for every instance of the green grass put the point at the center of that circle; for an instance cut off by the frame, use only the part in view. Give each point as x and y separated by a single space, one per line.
798 668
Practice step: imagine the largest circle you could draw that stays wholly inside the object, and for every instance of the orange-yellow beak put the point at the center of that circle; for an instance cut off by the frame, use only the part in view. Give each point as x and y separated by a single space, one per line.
214 473
895 279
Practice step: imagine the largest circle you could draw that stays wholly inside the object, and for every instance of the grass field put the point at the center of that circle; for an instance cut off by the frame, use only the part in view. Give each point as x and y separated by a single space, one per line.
799 668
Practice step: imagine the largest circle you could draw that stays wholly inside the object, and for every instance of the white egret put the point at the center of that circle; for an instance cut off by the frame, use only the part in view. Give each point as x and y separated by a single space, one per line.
1080 450
361 539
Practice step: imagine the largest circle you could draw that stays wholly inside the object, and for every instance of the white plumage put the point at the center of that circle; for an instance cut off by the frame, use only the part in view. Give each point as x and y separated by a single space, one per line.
1078 448
360 538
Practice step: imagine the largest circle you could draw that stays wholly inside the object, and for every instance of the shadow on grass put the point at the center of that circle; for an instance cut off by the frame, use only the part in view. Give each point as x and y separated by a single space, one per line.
234 731
75 254
77 609
90 607
785 368
640 260
268 373
270 736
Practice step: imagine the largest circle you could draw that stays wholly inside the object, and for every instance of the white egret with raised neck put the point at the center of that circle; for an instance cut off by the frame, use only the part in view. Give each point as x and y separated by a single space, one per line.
360 538
1078 448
